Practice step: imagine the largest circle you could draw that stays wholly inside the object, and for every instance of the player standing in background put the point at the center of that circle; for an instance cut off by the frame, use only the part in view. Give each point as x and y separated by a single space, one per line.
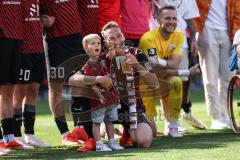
64 42
31 75
134 20
108 11
10 61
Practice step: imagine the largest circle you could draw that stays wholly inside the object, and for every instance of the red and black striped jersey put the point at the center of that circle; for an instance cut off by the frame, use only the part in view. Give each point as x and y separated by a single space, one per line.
11 19
100 68
32 30
88 10
67 17
122 83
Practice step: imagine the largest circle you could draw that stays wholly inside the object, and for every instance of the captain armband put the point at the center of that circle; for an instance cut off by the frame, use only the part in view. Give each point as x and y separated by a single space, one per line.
162 62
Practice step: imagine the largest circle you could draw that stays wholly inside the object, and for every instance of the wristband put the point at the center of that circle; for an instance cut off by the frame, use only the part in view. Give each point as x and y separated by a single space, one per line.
184 72
162 62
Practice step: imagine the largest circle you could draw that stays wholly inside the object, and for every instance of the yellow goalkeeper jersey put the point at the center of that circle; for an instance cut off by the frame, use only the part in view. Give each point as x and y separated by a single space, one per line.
152 42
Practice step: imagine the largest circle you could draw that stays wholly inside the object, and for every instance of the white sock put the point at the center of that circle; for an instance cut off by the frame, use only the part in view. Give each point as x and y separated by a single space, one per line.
111 140
99 142
172 125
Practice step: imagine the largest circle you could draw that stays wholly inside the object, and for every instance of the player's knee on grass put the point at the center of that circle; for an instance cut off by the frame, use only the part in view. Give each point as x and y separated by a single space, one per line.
142 136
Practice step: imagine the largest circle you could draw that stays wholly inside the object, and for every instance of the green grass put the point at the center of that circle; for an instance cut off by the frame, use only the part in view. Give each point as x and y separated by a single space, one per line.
196 144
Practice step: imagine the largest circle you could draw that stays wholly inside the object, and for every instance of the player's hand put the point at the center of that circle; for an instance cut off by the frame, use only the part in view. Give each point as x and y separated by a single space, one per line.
104 81
131 60
111 53
47 21
195 70
102 99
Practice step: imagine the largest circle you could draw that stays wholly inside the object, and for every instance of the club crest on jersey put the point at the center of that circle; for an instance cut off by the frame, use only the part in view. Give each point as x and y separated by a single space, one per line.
171 47
152 52
33 13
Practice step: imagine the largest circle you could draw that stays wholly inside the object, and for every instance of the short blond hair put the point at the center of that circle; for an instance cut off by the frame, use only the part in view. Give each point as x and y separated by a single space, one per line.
89 38
109 25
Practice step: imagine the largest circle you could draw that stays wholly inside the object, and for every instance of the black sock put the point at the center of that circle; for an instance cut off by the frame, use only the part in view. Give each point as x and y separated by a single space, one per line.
17 122
187 107
88 129
126 127
29 114
1 135
61 124
7 126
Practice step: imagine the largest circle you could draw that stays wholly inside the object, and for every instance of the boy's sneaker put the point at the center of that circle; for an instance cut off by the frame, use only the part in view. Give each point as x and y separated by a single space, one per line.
115 146
102 148
34 141
79 134
174 133
69 140
18 145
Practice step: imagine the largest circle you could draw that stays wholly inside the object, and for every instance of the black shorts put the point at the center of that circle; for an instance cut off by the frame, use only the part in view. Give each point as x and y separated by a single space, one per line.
32 68
81 109
10 61
65 54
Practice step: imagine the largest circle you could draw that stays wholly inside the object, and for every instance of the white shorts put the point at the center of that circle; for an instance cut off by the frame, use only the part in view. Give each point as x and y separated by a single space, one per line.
106 114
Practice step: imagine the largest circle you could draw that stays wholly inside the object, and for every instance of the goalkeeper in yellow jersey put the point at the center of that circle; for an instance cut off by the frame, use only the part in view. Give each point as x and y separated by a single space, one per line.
163 48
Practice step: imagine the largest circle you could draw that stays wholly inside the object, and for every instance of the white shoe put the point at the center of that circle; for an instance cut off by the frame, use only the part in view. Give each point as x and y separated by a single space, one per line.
174 127
3 152
102 148
228 123
217 124
194 121
115 146
174 133
25 146
181 128
34 141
